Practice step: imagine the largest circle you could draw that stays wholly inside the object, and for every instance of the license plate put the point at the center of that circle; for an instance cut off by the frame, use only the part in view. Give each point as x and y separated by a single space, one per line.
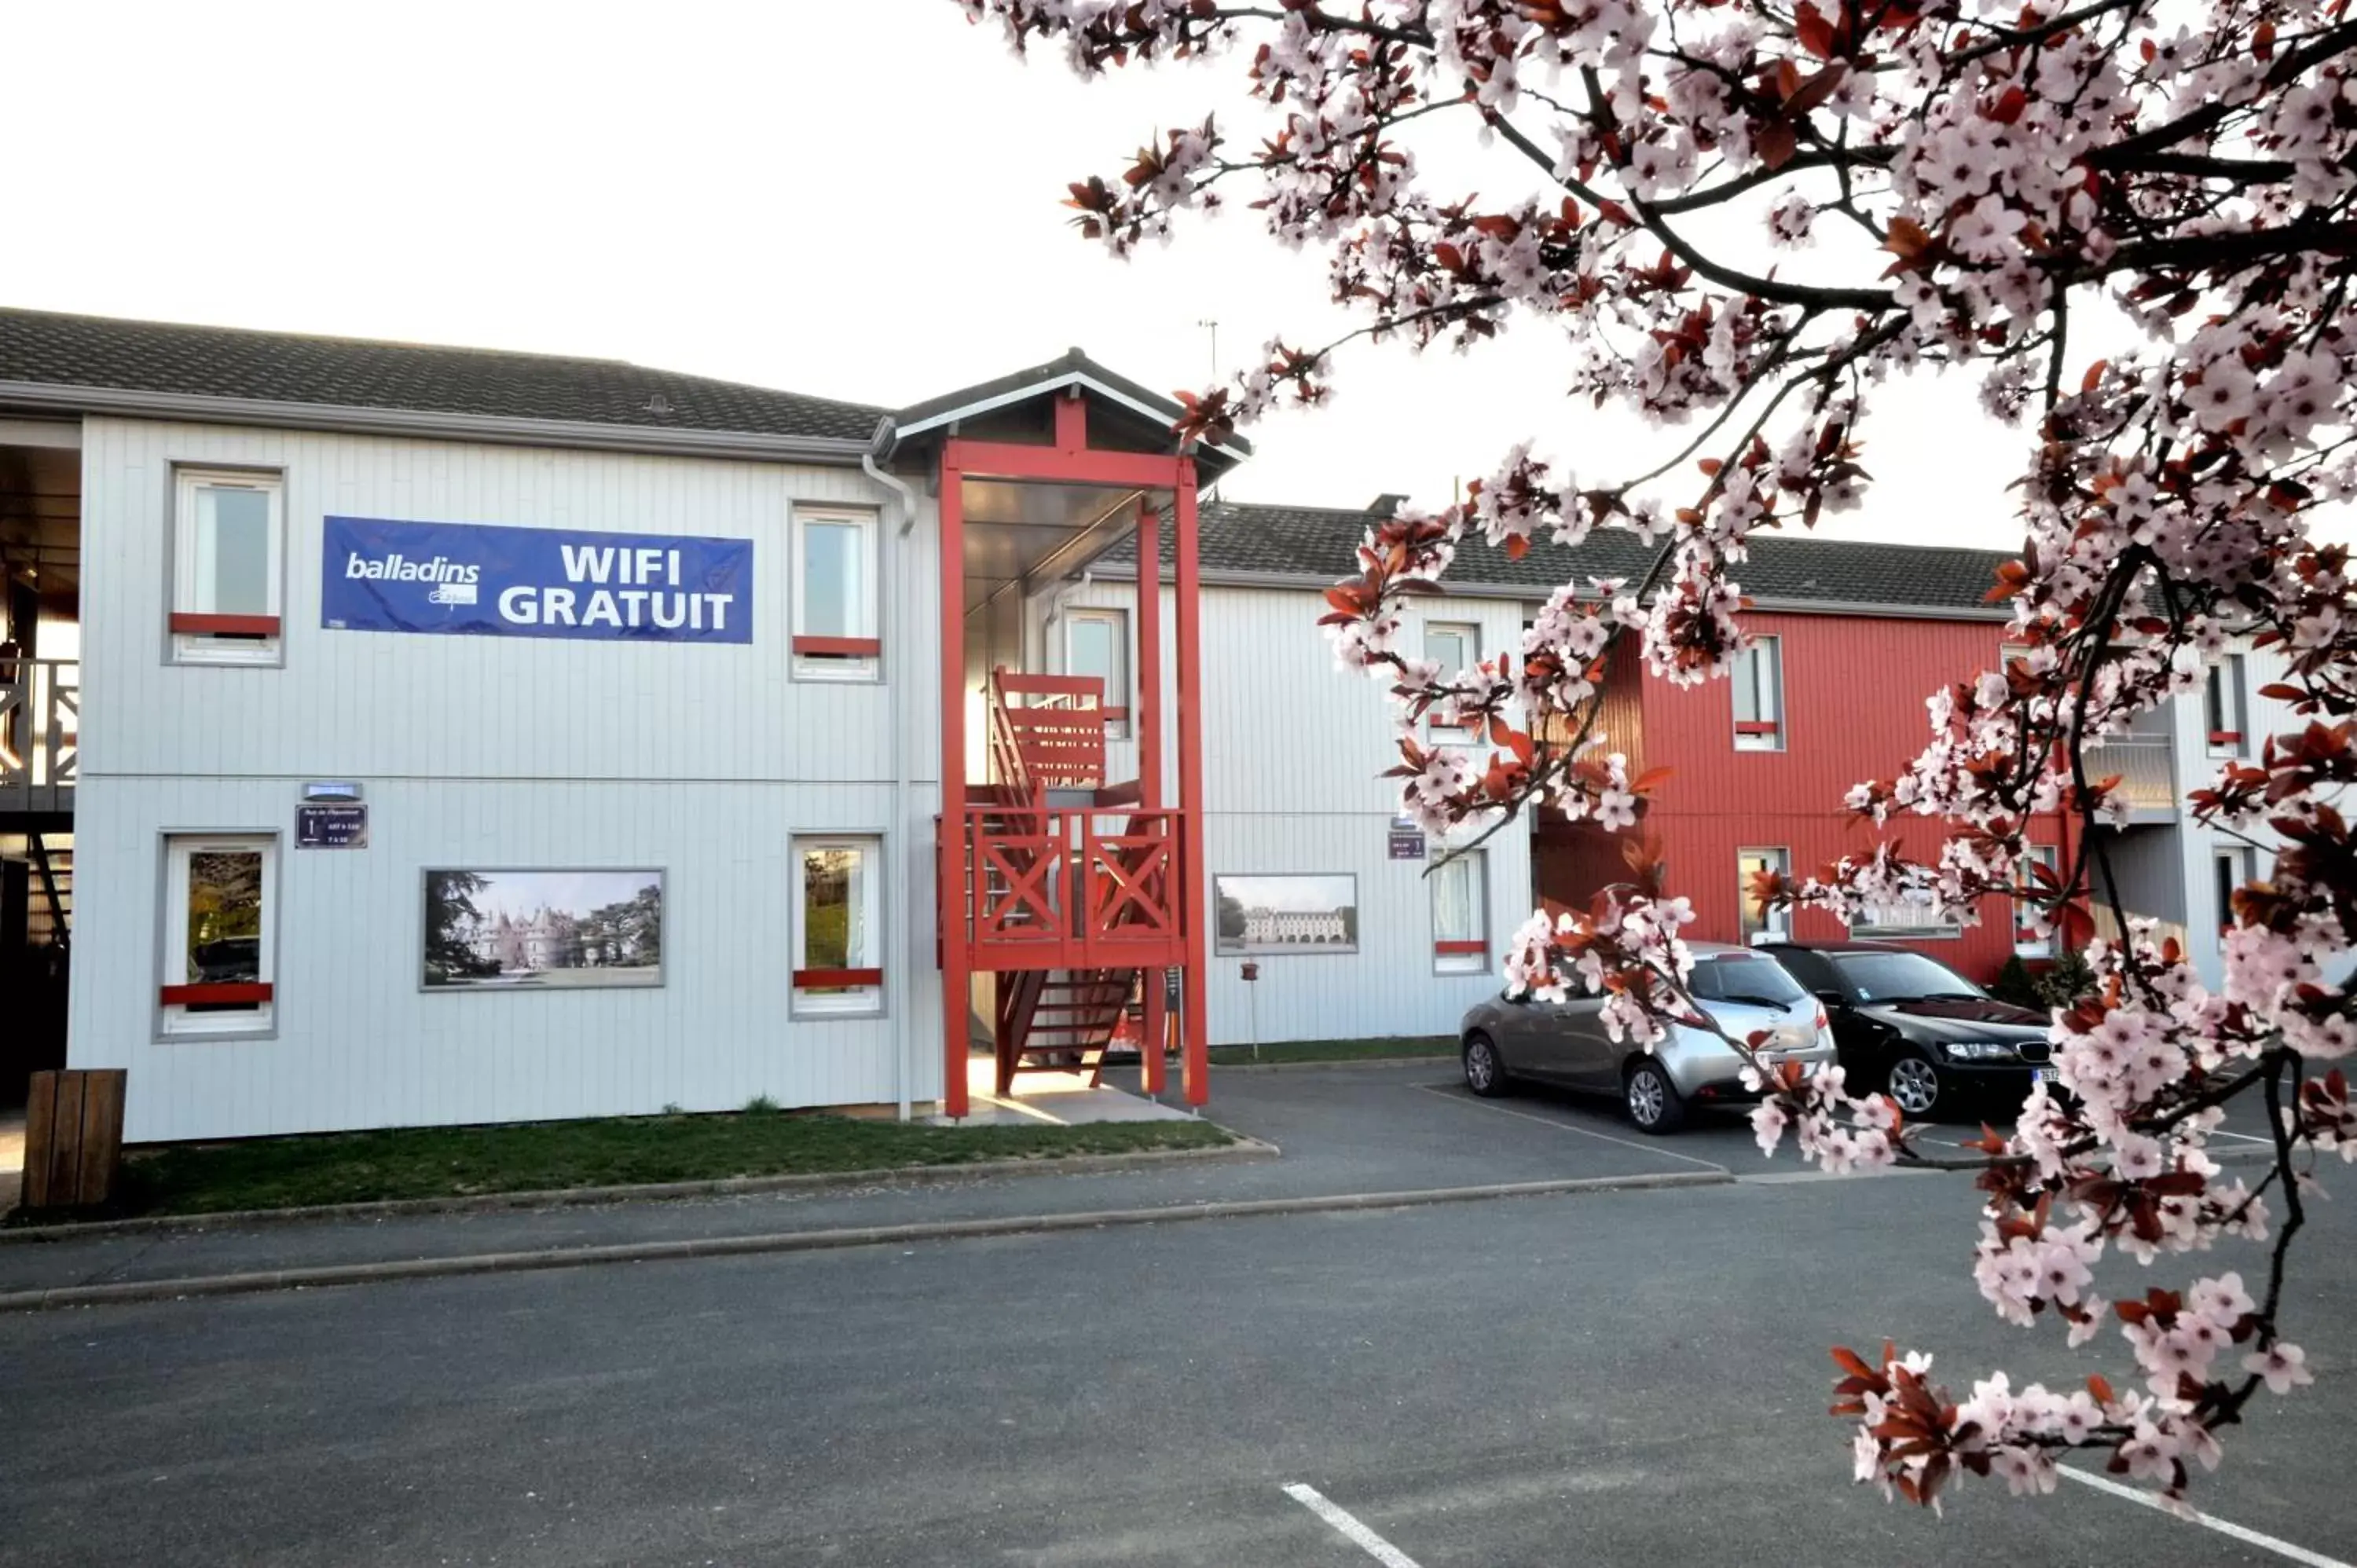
2041 1075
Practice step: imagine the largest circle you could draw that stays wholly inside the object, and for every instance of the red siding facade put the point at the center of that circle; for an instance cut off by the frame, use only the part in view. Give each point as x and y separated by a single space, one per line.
1853 695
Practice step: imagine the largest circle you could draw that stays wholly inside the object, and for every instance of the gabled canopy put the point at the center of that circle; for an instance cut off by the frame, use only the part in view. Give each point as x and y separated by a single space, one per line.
1122 416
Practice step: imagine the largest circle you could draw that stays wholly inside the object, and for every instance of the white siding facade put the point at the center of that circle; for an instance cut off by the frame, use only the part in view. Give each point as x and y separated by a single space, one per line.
2197 842
1294 750
703 760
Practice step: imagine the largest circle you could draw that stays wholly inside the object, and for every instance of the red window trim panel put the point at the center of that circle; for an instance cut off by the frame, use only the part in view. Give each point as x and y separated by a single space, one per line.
225 626
823 979
251 993
1475 946
1757 726
840 647
2225 738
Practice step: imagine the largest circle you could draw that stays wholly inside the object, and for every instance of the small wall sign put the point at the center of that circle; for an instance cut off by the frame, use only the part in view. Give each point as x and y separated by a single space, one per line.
332 827
1407 839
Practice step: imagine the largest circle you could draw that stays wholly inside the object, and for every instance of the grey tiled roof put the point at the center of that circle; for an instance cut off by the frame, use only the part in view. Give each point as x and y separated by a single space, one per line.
1248 538
95 352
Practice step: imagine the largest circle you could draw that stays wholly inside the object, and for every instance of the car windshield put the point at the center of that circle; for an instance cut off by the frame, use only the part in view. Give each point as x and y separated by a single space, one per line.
1901 977
1744 978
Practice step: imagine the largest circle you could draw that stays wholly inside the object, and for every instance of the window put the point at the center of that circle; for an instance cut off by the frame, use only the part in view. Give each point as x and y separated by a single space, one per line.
2221 707
228 553
835 617
1743 978
2230 869
218 934
1750 924
2026 940
1460 895
1454 646
1096 642
1760 695
838 934
1899 976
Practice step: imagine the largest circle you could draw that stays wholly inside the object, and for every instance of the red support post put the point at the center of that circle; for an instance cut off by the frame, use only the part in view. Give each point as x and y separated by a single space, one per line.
1072 424
1149 762
1195 1057
957 990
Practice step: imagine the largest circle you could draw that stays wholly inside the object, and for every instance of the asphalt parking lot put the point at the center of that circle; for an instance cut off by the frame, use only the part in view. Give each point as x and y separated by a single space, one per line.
1401 1127
1622 1378
1411 1119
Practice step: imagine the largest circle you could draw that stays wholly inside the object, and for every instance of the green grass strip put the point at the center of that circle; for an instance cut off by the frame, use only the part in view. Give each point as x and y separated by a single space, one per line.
1338 1050
459 1162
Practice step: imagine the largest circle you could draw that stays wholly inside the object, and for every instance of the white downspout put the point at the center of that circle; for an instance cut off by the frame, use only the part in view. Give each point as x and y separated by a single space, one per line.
1056 605
897 987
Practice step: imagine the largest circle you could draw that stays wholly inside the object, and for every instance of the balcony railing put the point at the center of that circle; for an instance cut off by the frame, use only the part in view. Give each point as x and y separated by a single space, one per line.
1071 889
2146 770
40 734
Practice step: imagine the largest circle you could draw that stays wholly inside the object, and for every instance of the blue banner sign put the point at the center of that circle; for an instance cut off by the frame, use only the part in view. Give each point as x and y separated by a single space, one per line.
472 580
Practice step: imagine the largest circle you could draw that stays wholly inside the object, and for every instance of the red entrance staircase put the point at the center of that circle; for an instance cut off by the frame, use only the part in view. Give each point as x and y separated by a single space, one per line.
1071 890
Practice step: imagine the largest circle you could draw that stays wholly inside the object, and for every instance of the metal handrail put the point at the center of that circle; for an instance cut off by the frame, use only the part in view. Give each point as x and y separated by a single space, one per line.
40 722
1034 875
2146 765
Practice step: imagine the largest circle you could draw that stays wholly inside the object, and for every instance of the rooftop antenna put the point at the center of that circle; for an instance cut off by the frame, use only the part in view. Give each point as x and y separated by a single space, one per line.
1213 326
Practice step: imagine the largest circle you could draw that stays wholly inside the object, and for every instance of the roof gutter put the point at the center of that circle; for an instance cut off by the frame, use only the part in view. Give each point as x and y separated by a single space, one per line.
1306 582
434 425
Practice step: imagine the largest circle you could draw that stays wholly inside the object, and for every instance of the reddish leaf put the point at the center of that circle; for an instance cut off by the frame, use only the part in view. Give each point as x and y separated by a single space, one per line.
1816 34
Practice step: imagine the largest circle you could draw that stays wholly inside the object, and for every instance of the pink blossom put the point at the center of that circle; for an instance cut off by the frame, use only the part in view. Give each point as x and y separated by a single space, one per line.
2283 1367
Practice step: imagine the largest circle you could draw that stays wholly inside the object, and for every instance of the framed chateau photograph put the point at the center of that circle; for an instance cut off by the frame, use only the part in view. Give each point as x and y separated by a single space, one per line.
543 930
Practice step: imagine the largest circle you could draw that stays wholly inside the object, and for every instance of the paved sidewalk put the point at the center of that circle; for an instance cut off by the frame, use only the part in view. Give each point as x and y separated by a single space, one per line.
1385 1129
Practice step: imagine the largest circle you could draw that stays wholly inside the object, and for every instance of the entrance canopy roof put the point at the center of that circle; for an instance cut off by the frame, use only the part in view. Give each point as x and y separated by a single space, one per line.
1052 466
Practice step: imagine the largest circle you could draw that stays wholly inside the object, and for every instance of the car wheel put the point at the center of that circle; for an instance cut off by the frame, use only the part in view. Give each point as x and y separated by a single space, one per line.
1485 1069
1652 1100
1914 1084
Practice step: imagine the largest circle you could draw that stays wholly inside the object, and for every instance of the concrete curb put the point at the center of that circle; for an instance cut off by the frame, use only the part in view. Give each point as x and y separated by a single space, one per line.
810 1240
1243 1148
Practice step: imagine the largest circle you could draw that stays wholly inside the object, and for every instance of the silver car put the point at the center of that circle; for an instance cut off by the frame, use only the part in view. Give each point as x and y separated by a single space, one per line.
1564 1042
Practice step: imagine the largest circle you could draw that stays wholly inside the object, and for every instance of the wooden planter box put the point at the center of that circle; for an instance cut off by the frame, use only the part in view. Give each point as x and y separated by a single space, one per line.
73 1138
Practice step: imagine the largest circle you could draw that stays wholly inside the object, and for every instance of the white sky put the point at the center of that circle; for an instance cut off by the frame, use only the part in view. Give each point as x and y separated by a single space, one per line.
857 201
519 895
1309 893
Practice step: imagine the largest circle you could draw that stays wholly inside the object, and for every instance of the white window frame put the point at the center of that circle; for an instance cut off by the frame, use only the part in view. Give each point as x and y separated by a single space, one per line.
1751 926
2244 864
2050 856
2222 690
849 1002
811 664
1476 867
192 641
176 1020
1118 692
1470 633
1760 654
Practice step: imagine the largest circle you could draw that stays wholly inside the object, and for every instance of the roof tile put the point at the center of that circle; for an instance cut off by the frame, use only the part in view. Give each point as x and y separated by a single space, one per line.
63 350
1251 539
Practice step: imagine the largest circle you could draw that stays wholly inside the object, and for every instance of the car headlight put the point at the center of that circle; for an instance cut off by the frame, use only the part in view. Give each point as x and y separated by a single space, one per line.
1978 1051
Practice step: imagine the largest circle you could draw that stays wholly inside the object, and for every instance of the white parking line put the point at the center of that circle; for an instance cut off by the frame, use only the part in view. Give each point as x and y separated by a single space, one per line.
1654 1148
1357 1535
2247 1537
